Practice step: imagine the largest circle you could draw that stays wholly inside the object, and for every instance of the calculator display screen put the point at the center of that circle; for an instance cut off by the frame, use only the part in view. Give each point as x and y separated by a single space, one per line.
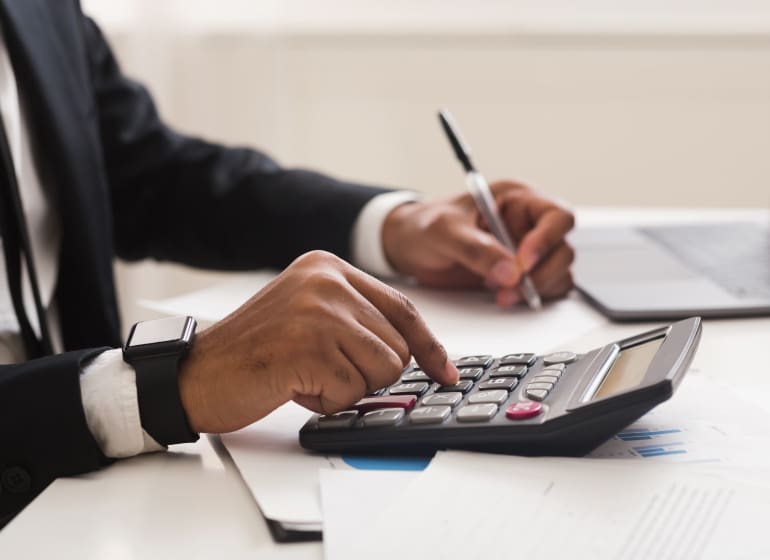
628 370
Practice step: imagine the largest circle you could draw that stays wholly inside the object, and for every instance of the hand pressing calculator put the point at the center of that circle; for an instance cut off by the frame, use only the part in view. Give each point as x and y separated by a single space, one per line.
559 404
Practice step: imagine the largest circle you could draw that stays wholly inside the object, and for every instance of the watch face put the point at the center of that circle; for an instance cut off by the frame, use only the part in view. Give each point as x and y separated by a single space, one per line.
173 329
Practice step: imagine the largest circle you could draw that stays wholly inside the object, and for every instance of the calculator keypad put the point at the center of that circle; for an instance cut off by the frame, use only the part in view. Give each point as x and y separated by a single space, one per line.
486 387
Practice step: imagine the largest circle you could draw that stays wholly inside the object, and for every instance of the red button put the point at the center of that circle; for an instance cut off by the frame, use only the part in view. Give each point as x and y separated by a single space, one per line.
406 402
523 409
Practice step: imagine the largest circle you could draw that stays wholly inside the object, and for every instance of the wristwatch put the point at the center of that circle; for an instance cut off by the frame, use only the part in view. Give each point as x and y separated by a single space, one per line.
155 349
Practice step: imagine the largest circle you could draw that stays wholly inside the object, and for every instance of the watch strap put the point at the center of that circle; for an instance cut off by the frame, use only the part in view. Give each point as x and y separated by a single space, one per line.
160 406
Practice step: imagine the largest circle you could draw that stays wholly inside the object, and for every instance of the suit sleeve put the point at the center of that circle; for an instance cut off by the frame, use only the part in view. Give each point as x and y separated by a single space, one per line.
43 429
187 200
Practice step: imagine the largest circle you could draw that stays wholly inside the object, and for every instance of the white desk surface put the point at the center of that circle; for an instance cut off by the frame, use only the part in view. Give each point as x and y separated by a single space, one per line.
191 503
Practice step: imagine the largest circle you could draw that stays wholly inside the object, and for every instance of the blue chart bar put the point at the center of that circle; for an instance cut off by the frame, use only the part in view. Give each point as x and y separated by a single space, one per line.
639 434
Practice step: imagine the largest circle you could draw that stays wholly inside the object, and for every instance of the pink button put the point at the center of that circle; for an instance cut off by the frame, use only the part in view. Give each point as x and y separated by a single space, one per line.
523 409
406 402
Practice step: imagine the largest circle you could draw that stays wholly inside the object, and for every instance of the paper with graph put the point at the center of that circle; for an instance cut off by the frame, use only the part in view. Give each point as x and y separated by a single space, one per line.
555 508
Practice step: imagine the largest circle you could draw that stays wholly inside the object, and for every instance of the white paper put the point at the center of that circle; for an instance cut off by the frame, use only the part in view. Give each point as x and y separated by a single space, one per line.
353 499
282 476
544 508
704 422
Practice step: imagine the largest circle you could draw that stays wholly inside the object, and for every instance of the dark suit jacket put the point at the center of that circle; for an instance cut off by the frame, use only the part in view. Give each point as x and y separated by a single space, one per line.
127 185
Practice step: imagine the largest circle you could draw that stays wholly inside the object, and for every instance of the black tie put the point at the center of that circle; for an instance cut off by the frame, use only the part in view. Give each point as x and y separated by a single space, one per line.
15 243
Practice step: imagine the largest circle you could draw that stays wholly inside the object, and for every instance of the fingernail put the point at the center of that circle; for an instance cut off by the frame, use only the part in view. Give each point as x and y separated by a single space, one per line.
453 376
504 273
507 298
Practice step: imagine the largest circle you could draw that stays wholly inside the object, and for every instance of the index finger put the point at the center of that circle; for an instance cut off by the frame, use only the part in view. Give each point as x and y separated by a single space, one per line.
403 315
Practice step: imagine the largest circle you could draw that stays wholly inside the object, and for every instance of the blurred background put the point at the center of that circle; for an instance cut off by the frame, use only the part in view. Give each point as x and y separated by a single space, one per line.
597 102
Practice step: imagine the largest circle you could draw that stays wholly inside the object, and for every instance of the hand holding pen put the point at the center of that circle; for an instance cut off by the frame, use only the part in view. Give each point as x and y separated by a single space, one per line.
483 198
450 243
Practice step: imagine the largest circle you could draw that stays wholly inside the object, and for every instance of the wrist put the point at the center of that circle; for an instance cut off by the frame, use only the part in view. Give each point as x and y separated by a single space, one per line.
395 229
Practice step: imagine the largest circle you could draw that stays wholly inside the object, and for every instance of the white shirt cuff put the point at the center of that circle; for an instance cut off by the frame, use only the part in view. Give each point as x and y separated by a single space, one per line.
366 239
108 390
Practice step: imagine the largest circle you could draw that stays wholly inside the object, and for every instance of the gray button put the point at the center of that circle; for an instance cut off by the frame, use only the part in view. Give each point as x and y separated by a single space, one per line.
508 371
507 383
560 358
545 379
416 375
16 480
536 394
470 372
383 417
463 386
442 399
417 388
498 397
341 420
474 361
525 359
430 414
545 386
559 368
476 412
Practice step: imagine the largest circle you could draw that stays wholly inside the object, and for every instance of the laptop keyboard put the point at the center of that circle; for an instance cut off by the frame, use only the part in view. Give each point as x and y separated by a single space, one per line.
734 255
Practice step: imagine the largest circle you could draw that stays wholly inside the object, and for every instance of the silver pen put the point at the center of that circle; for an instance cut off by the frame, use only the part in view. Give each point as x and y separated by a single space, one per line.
479 188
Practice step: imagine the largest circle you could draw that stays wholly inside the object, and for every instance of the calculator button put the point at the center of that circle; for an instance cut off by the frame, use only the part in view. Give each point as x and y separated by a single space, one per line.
560 358
474 361
536 394
507 383
375 403
413 376
545 379
442 399
430 414
476 412
508 371
545 386
470 372
344 419
462 386
498 396
518 359
384 417
554 369
523 409
417 388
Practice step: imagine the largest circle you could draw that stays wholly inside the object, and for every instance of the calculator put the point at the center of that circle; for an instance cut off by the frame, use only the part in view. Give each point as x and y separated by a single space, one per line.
562 403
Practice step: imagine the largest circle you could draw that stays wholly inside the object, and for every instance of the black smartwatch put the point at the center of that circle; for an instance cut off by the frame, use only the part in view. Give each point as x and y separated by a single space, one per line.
154 349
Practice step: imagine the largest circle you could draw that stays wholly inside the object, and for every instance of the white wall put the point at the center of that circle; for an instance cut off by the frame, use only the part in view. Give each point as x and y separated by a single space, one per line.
619 103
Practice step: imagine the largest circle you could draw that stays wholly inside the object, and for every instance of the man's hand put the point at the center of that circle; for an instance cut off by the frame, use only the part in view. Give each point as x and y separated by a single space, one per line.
323 334
444 244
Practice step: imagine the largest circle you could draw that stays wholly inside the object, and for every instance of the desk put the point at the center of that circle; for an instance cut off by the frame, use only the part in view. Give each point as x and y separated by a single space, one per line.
191 503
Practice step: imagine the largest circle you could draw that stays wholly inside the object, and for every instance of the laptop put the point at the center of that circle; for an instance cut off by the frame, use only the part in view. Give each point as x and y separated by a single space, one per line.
669 272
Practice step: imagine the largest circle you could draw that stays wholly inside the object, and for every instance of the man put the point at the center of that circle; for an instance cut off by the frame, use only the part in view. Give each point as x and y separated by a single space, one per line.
99 175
